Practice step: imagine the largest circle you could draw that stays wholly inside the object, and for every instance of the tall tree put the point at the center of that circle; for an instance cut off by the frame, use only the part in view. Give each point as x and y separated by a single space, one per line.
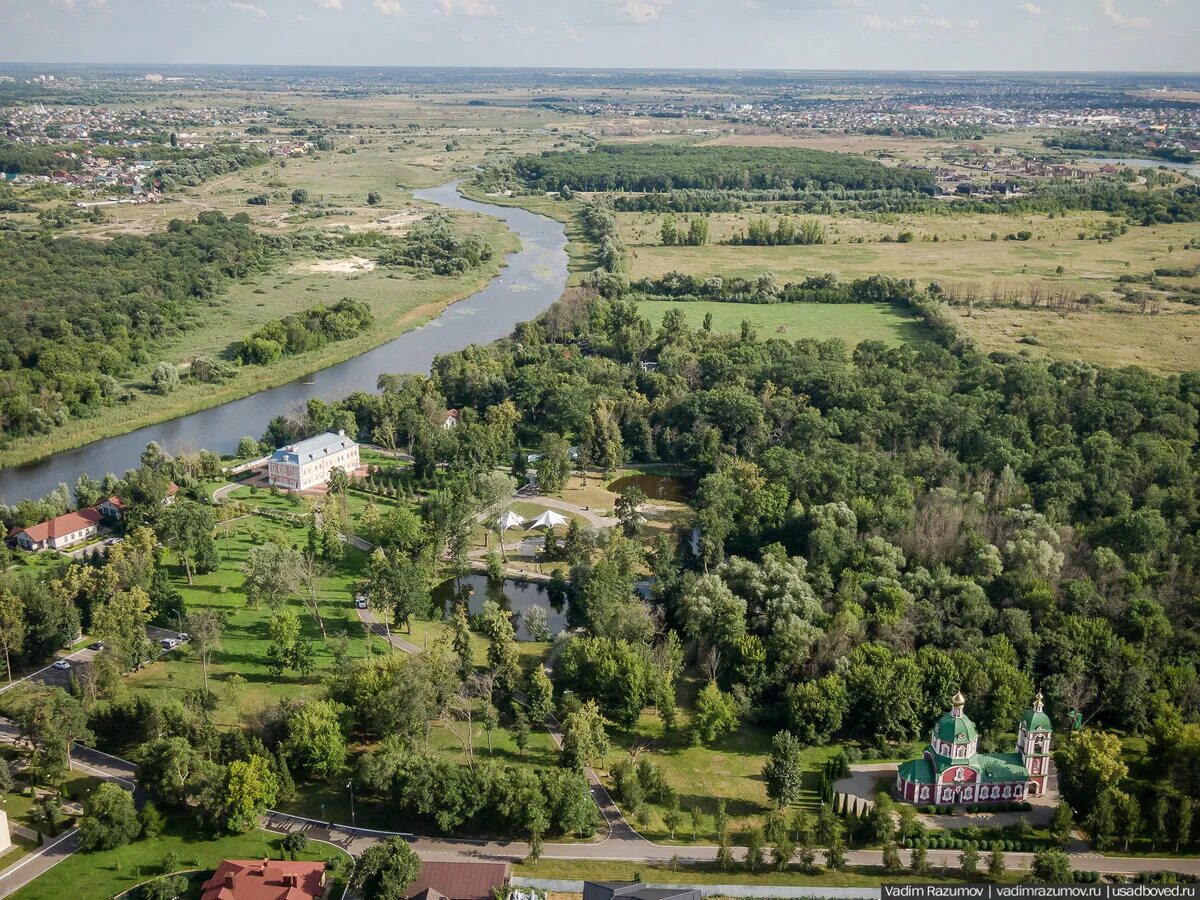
187 528
385 870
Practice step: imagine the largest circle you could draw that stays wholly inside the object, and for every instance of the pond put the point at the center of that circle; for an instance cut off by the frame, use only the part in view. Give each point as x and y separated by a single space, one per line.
515 596
656 487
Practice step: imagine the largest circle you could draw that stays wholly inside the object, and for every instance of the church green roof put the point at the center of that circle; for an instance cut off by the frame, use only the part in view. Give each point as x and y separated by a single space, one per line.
955 729
1036 720
995 767
918 771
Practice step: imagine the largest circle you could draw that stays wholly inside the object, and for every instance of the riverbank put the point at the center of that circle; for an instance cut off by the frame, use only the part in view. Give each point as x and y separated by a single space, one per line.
400 302
581 250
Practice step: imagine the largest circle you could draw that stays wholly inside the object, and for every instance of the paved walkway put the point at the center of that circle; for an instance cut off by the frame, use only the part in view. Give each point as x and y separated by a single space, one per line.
87 761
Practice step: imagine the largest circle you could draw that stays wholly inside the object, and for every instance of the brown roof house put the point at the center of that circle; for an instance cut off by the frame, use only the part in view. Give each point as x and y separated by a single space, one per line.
61 531
459 881
266 879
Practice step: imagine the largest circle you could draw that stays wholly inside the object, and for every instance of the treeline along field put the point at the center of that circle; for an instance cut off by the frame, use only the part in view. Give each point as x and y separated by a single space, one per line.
661 167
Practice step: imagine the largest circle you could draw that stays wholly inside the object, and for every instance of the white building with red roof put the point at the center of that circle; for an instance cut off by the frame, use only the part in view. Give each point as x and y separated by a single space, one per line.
61 531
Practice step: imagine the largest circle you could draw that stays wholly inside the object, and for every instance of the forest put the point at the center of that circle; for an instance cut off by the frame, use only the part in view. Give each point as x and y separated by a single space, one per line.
663 167
77 314
876 529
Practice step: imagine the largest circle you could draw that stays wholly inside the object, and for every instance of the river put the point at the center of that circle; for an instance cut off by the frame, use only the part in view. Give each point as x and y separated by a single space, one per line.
533 278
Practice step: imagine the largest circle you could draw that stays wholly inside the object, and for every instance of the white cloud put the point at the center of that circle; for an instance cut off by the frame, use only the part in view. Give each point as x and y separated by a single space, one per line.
389 7
242 7
1032 8
330 4
571 34
473 8
1113 15
642 10
918 26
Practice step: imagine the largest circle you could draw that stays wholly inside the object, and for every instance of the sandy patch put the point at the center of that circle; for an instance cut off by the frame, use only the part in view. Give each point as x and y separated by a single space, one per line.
402 219
351 265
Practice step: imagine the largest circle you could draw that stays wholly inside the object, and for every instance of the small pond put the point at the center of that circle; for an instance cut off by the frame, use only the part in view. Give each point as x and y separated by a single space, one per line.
515 596
656 487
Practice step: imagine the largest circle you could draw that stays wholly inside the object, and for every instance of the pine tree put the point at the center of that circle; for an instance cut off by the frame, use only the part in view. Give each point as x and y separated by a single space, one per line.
754 850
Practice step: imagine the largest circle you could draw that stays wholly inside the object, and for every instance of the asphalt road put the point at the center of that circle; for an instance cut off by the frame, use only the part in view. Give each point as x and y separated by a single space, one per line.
79 662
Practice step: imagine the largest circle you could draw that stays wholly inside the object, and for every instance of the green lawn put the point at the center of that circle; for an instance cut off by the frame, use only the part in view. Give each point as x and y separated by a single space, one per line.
244 643
729 769
104 874
852 322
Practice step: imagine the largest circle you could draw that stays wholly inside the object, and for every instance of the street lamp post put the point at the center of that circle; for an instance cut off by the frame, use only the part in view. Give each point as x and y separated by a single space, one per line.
350 784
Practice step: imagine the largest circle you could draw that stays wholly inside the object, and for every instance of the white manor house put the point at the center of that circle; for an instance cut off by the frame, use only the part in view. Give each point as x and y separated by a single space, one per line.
307 464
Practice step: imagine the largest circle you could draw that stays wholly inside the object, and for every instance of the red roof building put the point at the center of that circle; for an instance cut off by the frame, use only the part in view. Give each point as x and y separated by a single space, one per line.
62 531
458 881
265 879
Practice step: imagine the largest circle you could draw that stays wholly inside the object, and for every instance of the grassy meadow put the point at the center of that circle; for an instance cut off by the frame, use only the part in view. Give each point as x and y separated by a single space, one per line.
1115 335
964 251
850 322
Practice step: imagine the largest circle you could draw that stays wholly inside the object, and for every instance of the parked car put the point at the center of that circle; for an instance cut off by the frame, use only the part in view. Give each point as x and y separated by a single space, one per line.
169 643
184 637
360 602
62 664
96 645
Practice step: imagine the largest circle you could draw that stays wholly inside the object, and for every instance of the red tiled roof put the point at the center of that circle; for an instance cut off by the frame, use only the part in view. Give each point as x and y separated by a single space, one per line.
61 525
460 880
246 879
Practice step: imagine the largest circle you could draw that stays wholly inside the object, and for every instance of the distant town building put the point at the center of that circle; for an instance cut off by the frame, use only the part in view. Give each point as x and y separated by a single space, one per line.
451 419
952 771
62 531
266 879
307 464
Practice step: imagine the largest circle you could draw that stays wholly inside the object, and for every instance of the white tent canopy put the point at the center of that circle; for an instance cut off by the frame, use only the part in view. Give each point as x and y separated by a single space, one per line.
549 519
509 520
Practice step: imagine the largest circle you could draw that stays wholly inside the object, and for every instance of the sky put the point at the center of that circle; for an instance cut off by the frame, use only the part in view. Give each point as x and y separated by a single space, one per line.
1006 35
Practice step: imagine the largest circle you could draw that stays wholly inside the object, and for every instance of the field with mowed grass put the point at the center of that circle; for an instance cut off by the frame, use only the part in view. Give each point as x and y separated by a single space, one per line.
851 322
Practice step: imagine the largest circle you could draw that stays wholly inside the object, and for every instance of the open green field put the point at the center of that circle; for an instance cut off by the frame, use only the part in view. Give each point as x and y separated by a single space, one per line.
851 322
964 251
1113 335
106 873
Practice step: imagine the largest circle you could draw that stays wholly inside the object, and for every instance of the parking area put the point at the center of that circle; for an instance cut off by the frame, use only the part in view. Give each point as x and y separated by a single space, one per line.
58 673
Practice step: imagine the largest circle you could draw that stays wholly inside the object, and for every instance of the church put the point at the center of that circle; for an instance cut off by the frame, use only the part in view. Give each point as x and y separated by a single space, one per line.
952 771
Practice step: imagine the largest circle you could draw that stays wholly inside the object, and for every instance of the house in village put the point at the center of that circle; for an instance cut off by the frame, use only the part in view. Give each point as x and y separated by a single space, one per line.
459 881
451 419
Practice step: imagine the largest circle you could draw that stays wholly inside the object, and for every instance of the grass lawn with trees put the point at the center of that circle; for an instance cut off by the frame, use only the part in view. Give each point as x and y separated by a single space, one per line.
728 769
245 641
103 874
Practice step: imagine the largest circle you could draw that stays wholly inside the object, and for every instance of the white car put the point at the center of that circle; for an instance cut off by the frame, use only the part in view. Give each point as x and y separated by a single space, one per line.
62 664
184 637
169 643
